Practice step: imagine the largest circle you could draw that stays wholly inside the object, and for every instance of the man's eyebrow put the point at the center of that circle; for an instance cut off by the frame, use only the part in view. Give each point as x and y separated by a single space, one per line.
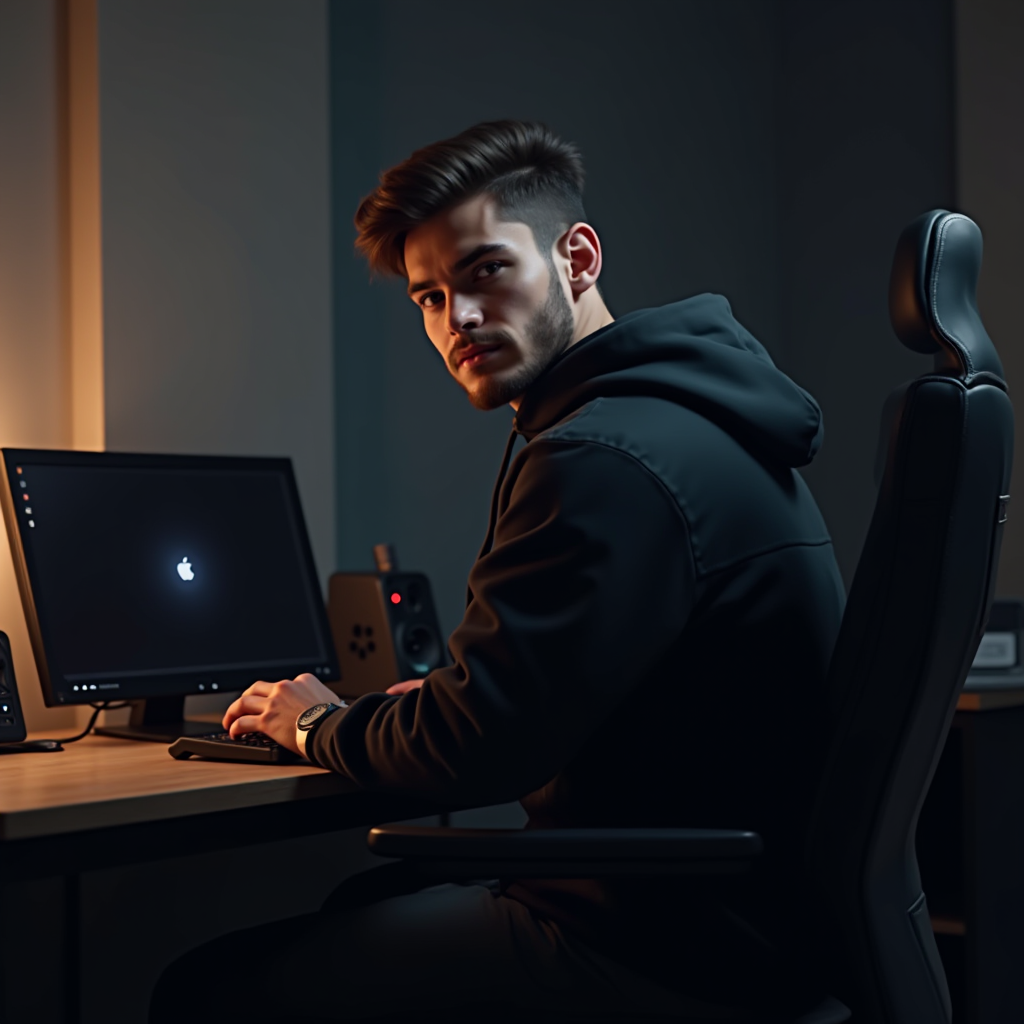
480 250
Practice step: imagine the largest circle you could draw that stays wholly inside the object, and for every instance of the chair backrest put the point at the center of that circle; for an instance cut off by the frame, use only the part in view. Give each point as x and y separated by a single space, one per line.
915 615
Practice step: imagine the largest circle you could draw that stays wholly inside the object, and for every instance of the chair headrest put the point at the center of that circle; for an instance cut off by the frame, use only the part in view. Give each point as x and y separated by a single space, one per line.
932 296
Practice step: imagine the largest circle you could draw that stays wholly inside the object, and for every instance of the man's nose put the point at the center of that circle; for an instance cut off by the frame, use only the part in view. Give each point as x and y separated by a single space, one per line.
463 315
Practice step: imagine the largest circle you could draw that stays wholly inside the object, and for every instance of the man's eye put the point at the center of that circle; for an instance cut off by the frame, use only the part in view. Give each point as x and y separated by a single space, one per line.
487 269
431 299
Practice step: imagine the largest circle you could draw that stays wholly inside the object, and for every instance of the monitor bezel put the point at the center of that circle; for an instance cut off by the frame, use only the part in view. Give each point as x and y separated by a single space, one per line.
183 684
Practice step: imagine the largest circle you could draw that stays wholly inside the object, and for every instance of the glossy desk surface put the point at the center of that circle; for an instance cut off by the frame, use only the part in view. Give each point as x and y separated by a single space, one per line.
103 782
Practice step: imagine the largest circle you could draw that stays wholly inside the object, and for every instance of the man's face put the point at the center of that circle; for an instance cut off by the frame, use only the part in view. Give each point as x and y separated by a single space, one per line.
493 305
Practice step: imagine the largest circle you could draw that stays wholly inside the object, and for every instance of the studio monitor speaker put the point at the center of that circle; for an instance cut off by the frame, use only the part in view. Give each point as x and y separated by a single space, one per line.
385 628
12 725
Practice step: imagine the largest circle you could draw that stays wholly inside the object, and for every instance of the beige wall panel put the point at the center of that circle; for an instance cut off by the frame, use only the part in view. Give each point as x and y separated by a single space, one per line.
34 382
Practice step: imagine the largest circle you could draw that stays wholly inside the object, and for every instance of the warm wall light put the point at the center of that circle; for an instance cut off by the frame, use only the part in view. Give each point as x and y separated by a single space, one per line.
84 227
51 385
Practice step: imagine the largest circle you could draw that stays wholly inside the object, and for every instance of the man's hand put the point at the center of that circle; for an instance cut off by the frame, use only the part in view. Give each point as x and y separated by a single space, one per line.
409 684
272 708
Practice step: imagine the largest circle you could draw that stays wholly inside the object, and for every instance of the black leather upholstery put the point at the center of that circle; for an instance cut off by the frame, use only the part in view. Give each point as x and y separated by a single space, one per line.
915 615
914 618
932 296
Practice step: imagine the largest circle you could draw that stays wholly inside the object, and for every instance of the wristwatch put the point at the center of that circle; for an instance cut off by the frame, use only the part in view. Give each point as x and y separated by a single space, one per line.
310 720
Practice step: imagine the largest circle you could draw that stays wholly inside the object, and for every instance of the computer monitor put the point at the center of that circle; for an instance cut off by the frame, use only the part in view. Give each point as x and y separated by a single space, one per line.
151 577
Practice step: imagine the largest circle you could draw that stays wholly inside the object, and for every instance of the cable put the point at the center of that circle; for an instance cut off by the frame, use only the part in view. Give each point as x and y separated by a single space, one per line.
101 706
48 746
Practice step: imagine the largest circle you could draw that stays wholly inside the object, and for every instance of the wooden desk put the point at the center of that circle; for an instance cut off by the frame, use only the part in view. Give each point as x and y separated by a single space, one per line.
104 782
104 802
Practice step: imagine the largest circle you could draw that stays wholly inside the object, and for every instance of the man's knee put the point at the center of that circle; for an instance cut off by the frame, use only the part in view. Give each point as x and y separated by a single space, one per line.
224 980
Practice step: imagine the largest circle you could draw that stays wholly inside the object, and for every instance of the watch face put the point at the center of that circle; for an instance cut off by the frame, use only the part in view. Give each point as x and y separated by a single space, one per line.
308 717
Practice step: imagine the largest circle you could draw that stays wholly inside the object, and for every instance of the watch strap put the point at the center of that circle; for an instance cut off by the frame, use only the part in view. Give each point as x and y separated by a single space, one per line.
304 737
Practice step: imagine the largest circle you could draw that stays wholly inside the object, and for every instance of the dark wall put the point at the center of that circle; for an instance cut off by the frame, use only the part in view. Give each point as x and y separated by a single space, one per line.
673 105
990 169
866 143
216 242
771 151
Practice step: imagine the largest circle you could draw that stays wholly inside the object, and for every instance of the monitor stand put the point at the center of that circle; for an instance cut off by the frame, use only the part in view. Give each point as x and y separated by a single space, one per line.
159 720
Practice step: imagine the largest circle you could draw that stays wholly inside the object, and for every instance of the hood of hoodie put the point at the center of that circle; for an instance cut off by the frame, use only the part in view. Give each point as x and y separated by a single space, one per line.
692 352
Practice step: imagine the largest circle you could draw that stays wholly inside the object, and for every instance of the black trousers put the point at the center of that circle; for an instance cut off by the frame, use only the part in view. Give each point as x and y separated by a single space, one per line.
379 950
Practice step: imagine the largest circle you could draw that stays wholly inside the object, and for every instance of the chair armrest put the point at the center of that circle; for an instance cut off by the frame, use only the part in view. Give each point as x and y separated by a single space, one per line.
566 852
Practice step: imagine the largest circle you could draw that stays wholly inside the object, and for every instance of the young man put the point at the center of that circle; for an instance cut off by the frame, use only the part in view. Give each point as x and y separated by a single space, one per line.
648 629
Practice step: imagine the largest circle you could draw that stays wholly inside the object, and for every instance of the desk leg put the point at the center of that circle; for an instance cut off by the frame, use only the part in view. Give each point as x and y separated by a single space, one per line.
72 948
7 941
35 957
994 858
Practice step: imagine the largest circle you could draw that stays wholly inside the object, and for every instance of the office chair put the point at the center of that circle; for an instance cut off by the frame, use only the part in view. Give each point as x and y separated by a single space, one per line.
915 615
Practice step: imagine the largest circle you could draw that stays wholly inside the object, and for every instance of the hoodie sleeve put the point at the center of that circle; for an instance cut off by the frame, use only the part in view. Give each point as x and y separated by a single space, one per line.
589 581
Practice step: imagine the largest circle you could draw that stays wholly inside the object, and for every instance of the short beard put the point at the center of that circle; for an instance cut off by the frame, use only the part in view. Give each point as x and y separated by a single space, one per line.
550 330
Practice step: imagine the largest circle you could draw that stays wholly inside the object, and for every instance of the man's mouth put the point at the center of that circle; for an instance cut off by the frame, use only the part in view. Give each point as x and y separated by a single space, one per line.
474 355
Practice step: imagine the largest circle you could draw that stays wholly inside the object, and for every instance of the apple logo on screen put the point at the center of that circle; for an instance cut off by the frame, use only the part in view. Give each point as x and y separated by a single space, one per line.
185 569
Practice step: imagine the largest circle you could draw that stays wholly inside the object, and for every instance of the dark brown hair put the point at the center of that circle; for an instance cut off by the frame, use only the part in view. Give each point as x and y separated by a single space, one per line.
536 178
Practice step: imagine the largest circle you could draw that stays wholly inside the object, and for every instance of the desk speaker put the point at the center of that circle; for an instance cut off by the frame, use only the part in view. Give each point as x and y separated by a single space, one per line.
12 724
385 629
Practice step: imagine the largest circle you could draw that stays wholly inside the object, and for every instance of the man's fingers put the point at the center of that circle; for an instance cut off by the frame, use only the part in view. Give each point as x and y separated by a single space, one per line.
233 711
247 723
250 703
273 707
260 688
409 684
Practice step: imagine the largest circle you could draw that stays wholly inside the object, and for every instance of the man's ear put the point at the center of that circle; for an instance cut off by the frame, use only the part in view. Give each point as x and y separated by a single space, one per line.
581 249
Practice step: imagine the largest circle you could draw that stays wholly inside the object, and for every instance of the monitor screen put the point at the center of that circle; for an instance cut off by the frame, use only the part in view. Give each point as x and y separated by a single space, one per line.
156 575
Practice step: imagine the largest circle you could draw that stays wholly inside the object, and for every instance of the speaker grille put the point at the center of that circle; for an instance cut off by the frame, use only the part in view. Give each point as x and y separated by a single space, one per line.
363 643
421 647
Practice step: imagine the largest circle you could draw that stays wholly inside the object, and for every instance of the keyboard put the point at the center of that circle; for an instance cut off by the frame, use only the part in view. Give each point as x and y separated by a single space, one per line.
253 747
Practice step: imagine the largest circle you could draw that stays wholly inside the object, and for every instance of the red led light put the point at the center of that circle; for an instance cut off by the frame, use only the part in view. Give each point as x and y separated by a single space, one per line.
396 598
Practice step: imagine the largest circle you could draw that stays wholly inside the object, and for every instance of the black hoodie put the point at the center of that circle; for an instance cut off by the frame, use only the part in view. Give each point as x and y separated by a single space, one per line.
648 629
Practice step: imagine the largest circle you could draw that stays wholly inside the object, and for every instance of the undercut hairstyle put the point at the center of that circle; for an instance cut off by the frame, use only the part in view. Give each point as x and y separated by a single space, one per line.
534 176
